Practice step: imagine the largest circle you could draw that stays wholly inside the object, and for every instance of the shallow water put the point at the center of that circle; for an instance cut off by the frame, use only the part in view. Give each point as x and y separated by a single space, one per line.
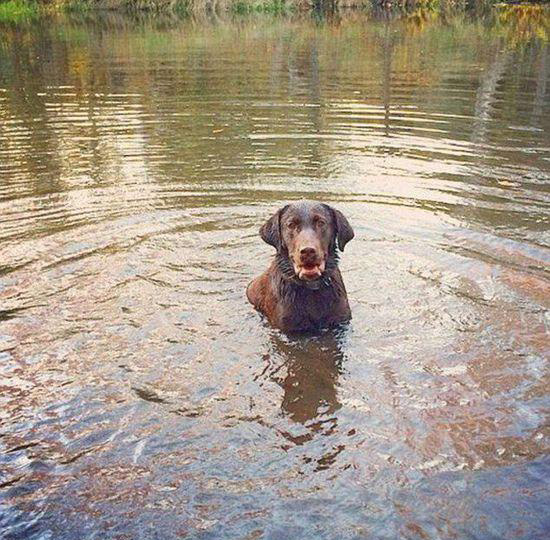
142 397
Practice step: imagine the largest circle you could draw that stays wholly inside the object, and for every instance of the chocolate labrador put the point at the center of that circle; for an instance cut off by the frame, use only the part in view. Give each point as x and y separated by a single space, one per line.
302 290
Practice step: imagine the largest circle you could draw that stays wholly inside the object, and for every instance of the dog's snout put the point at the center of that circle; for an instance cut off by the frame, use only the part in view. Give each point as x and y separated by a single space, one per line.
308 254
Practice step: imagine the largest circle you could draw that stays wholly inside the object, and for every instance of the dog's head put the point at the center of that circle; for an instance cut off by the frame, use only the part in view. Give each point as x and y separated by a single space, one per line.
308 233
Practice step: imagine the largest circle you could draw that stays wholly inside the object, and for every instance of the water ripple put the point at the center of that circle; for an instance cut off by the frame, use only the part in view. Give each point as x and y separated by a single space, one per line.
141 395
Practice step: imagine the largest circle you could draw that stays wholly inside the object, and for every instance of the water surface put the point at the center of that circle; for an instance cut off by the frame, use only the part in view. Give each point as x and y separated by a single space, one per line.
142 397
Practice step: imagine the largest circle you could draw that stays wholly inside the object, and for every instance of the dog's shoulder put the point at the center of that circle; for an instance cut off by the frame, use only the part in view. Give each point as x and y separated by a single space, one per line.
259 291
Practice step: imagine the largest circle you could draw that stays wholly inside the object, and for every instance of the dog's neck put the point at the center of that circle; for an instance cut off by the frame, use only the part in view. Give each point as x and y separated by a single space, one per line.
285 267
313 284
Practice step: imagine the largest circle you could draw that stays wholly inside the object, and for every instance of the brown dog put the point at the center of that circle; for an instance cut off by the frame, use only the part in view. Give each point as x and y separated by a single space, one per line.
303 290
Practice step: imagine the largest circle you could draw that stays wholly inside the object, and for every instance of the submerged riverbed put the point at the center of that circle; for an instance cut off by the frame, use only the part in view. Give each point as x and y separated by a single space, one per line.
142 397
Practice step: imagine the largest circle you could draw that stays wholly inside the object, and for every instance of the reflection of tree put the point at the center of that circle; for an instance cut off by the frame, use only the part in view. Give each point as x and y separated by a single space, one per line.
206 102
542 81
486 95
23 75
67 129
315 99
387 49
523 23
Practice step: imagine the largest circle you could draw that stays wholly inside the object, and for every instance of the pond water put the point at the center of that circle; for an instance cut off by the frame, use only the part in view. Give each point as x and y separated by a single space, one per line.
142 396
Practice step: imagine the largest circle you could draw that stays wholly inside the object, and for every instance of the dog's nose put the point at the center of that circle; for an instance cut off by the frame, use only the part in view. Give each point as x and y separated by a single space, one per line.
308 253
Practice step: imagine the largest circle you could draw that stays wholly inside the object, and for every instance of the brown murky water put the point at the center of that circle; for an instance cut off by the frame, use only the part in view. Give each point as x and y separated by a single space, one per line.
142 397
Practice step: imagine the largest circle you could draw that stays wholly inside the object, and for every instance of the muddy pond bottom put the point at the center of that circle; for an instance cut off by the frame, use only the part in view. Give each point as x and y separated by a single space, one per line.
141 395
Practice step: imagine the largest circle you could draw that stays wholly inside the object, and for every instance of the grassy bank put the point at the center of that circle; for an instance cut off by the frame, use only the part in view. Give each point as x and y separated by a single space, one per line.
19 10
122 5
16 11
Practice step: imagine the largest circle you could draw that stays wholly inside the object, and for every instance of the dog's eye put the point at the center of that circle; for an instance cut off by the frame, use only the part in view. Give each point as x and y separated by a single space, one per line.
292 224
319 221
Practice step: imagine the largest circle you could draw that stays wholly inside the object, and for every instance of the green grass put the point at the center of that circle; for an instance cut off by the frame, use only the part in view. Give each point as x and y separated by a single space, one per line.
15 11
261 6
179 7
76 6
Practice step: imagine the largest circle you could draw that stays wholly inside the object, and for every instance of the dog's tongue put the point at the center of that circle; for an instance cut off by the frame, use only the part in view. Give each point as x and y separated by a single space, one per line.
313 272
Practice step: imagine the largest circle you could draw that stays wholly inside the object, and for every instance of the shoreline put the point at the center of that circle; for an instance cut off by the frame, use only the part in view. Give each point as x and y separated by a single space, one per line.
20 11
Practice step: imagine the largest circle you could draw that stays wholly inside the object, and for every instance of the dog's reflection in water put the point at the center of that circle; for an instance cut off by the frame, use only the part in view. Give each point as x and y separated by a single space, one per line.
307 369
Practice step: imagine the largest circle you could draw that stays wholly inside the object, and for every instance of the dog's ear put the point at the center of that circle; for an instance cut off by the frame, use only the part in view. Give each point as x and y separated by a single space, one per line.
344 232
270 231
